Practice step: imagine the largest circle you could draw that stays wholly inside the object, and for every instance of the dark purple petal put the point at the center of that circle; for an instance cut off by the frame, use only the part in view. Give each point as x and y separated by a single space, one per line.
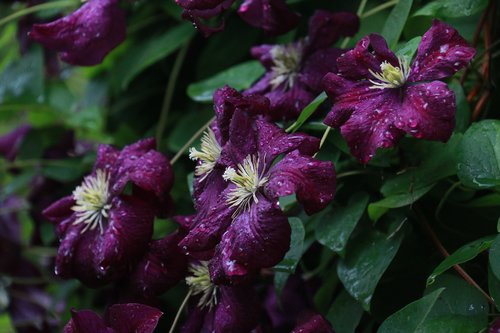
60 210
313 324
272 16
87 35
495 327
316 66
368 54
242 140
273 141
312 180
441 53
197 10
237 310
86 321
428 111
11 142
133 318
288 103
263 53
325 28
163 266
107 157
366 116
258 237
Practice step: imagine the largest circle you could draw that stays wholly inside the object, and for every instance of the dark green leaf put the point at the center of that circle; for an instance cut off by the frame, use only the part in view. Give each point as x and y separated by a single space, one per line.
452 8
307 112
345 313
408 49
479 158
463 108
292 257
280 279
335 228
396 21
494 287
463 254
238 77
365 262
147 52
494 257
186 127
64 170
410 318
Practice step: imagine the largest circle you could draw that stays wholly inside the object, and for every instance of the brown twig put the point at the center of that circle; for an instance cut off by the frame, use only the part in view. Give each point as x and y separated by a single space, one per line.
437 243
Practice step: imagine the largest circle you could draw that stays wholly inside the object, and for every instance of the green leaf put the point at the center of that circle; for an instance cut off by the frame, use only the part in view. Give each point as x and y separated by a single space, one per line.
146 52
463 108
479 157
367 258
408 49
494 257
494 287
307 112
488 200
396 21
292 257
410 318
280 279
379 208
238 77
452 8
345 313
463 254
335 228
186 127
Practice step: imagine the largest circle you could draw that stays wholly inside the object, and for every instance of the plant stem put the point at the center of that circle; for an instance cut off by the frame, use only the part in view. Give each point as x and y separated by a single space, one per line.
44 6
178 314
437 243
169 92
379 8
190 141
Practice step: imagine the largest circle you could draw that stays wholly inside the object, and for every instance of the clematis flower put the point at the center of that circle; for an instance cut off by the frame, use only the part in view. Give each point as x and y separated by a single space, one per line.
120 318
272 16
313 323
379 97
11 142
85 36
245 217
103 229
218 308
295 70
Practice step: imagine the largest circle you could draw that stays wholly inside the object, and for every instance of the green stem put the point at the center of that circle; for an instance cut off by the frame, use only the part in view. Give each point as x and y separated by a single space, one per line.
323 139
190 141
379 8
44 6
169 92
445 197
178 314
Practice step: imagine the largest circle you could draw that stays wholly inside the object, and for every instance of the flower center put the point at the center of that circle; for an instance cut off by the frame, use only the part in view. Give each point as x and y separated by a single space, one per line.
92 201
247 179
391 76
286 60
200 284
209 154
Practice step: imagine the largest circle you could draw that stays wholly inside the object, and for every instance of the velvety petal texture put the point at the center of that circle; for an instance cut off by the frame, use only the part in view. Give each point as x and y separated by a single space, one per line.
87 35
314 324
100 241
272 16
378 98
120 318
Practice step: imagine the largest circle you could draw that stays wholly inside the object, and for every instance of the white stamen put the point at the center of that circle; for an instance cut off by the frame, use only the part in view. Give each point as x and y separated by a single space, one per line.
92 201
391 76
286 60
199 283
209 154
248 180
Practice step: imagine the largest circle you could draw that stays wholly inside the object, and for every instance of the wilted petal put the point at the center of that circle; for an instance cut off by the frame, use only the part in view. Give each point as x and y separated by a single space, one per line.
368 54
325 28
428 111
132 317
87 35
313 324
441 53
312 180
272 16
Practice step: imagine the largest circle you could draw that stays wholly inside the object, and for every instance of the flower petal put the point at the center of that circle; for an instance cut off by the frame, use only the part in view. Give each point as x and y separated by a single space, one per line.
428 111
85 321
441 53
272 16
133 317
325 28
87 35
237 310
312 180
11 142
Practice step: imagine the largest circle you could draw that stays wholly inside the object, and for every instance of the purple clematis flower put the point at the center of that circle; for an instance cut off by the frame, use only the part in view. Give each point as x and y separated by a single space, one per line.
379 97
219 308
87 35
102 229
120 318
294 71
313 323
245 217
272 16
